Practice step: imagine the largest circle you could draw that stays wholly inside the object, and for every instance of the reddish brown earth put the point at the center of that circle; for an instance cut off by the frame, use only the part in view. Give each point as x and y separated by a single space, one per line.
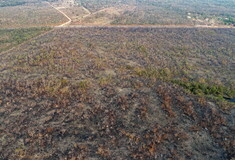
86 93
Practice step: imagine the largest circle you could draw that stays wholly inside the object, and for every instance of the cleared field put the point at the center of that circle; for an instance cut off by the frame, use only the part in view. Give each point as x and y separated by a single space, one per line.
119 93
35 14
104 16
170 12
76 13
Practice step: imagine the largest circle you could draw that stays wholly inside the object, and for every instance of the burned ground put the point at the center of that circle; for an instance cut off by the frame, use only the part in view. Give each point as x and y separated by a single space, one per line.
110 93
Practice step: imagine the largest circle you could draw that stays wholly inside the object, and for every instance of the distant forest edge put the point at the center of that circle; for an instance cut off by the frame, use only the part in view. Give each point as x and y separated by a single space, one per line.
11 3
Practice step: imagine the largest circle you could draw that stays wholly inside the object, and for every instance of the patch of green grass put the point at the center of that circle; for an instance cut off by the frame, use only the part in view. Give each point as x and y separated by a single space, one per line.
214 91
12 37
54 86
150 72
84 85
105 80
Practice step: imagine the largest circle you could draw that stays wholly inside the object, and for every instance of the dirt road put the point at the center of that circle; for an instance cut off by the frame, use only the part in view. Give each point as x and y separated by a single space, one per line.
69 19
144 26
